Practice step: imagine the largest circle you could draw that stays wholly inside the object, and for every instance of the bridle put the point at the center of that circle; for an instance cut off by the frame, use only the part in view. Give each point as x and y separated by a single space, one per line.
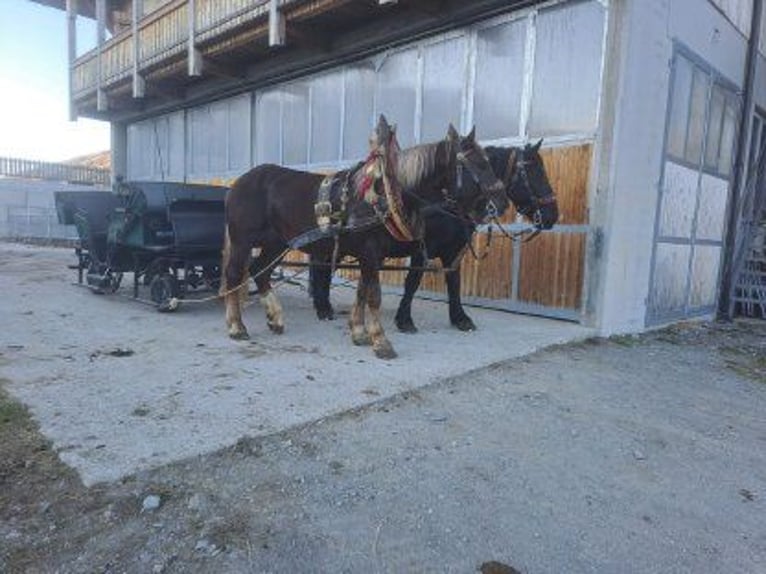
488 191
515 173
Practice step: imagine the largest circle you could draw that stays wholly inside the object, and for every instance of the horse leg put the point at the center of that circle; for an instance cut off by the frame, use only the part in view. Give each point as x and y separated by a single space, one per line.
457 315
380 344
263 265
404 314
320 278
356 319
236 261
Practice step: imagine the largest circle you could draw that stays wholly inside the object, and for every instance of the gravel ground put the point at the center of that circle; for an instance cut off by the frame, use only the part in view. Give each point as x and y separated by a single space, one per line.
632 454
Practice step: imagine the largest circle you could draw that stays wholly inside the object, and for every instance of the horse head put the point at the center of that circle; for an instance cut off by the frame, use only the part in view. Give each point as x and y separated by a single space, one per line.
527 185
474 187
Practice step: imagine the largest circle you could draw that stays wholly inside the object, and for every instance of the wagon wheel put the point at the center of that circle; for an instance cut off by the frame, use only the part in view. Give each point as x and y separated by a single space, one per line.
211 274
162 290
114 281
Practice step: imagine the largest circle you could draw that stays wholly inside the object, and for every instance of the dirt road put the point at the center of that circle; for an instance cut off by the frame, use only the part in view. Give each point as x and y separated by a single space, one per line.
642 454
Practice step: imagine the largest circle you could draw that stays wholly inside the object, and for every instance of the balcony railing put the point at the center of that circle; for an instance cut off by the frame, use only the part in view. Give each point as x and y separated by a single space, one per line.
163 39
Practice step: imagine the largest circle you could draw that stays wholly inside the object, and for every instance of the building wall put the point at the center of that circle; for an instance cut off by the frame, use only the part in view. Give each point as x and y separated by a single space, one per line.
548 87
629 188
504 75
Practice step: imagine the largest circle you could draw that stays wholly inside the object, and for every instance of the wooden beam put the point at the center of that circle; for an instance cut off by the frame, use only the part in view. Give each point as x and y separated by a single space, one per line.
139 84
71 16
430 7
221 70
193 55
276 25
308 36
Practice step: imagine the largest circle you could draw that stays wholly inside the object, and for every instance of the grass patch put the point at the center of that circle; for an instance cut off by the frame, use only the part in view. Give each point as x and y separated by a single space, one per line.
745 362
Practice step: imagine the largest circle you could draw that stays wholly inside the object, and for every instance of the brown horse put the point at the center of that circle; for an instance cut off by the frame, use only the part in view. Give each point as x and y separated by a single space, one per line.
272 209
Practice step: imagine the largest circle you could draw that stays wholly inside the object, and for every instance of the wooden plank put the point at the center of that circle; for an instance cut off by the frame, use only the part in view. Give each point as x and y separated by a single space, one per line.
568 172
552 269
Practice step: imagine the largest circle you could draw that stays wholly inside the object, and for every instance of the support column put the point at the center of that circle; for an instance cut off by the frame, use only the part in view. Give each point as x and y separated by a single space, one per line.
276 25
193 55
139 85
101 101
119 140
71 16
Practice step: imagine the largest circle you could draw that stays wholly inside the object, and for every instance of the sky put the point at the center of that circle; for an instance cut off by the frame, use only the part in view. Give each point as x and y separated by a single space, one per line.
34 93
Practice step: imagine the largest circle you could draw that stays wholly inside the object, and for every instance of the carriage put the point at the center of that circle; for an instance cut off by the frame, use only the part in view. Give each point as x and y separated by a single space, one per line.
167 235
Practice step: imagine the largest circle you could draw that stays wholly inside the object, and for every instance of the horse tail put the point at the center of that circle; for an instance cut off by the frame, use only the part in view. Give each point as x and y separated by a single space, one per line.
225 258
240 288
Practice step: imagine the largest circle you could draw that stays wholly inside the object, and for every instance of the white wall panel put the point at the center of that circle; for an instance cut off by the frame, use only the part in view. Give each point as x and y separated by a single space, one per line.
268 114
711 216
444 73
295 123
499 79
740 12
326 101
704 278
239 140
359 110
567 76
670 277
396 93
679 196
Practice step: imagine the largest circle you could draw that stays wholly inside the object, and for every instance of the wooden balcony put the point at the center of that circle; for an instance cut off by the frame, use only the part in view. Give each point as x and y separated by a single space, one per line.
189 47
161 49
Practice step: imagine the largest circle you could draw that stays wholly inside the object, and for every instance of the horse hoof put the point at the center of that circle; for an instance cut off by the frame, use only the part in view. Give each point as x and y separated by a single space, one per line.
325 314
361 339
276 329
465 324
406 327
239 335
384 351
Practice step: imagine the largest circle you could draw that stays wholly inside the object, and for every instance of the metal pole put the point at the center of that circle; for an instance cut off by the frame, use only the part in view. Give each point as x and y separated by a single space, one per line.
725 311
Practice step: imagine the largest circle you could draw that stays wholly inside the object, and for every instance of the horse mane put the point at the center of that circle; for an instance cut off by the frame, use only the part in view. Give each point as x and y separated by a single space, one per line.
416 165
498 159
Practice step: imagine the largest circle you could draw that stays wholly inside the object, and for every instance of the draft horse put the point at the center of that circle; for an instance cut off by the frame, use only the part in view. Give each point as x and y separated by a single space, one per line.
272 209
449 228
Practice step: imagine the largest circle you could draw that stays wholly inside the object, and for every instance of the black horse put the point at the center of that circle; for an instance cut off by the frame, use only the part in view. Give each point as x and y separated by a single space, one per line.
273 209
449 229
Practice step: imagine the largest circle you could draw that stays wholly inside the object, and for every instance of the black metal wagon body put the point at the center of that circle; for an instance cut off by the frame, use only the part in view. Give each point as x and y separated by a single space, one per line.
168 235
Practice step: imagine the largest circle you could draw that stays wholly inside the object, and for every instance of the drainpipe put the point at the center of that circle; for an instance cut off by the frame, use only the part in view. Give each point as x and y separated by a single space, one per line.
725 310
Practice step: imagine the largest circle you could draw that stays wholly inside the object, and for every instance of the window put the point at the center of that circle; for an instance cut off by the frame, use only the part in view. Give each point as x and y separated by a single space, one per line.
396 93
268 112
295 123
499 79
443 81
358 110
696 130
679 107
567 61
326 94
